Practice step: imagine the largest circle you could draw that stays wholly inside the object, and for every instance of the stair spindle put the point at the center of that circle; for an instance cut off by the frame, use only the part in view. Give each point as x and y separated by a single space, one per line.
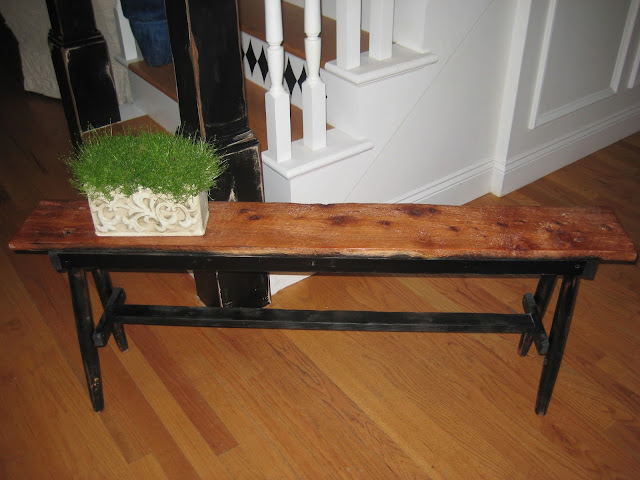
277 101
348 19
314 108
381 26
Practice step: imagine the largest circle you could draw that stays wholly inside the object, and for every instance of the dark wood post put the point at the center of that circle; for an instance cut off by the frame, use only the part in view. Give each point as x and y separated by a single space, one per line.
83 69
205 41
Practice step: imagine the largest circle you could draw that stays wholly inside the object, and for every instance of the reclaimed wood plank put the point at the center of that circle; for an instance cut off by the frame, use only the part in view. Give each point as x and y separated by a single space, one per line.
363 230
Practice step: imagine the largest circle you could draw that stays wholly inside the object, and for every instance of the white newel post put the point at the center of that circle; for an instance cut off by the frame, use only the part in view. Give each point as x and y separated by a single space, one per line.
314 108
381 29
277 102
348 19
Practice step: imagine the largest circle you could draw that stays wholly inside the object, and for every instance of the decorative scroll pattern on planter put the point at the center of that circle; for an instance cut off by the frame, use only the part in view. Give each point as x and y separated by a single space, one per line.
145 214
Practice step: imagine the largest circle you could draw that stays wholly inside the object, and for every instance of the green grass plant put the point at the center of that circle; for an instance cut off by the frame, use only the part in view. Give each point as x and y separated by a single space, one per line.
175 166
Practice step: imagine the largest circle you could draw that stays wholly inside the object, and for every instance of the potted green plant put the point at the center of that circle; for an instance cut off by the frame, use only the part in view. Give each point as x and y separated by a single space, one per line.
146 183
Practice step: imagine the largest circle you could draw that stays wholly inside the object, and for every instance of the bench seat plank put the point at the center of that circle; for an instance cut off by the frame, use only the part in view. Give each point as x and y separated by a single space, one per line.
371 230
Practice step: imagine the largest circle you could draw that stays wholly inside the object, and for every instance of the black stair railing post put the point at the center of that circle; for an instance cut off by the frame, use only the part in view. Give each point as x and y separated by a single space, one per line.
83 69
205 42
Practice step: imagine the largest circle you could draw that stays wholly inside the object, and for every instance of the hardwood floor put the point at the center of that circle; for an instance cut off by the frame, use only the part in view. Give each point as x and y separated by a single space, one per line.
213 404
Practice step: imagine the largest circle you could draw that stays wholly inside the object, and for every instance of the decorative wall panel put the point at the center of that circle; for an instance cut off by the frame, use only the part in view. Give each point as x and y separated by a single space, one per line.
584 47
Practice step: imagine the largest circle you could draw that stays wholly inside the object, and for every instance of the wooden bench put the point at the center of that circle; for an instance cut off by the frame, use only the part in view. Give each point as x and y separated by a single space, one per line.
346 238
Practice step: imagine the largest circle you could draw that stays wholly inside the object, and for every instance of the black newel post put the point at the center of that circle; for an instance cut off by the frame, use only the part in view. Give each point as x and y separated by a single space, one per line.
205 41
83 69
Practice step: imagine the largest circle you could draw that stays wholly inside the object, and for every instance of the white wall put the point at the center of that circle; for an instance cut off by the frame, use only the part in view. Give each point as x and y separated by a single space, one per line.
443 149
577 87
522 88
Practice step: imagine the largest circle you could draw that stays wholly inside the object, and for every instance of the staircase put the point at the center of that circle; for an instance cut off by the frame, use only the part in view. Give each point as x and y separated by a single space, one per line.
408 126
368 92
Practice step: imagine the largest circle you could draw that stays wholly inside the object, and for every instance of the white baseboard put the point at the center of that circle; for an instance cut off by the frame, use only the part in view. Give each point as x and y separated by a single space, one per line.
129 111
455 189
535 164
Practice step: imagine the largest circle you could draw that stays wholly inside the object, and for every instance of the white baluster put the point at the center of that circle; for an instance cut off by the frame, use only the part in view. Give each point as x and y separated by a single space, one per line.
348 19
277 102
381 29
125 35
314 108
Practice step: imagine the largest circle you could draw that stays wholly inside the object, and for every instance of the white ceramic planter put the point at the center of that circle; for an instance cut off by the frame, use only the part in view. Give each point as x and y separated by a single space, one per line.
145 214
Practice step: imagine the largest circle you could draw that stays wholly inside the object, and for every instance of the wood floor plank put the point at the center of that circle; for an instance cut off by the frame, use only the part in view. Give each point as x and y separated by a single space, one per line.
190 441
298 456
44 406
148 467
185 346
197 410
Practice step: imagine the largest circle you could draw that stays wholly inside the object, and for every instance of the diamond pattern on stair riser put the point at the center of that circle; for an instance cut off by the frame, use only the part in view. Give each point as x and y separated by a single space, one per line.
254 54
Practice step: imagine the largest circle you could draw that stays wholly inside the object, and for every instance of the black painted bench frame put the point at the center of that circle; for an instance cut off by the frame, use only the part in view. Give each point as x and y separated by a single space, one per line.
116 313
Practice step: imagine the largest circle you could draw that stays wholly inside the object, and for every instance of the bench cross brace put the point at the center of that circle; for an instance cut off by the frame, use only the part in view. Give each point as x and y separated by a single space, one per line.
529 324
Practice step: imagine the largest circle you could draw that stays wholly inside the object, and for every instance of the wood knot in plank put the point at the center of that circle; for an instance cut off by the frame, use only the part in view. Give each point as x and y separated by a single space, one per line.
417 211
342 220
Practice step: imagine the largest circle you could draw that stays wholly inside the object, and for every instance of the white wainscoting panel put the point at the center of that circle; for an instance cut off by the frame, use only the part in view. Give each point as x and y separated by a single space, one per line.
584 48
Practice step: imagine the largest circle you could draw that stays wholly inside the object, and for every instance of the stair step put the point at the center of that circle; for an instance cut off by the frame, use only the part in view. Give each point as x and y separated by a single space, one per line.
163 78
144 122
251 16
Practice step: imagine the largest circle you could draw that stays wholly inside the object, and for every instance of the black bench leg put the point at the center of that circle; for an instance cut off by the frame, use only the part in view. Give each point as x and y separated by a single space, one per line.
105 290
84 327
557 342
542 297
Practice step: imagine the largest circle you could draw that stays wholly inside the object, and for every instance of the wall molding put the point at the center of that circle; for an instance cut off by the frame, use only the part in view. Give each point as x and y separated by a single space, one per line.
571 107
544 159
538 118
634 74
542 63
625 44
458 188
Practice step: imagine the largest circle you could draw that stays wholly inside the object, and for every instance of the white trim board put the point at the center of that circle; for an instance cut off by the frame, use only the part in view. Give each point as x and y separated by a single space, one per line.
456 189
634 74
154 103
540 161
